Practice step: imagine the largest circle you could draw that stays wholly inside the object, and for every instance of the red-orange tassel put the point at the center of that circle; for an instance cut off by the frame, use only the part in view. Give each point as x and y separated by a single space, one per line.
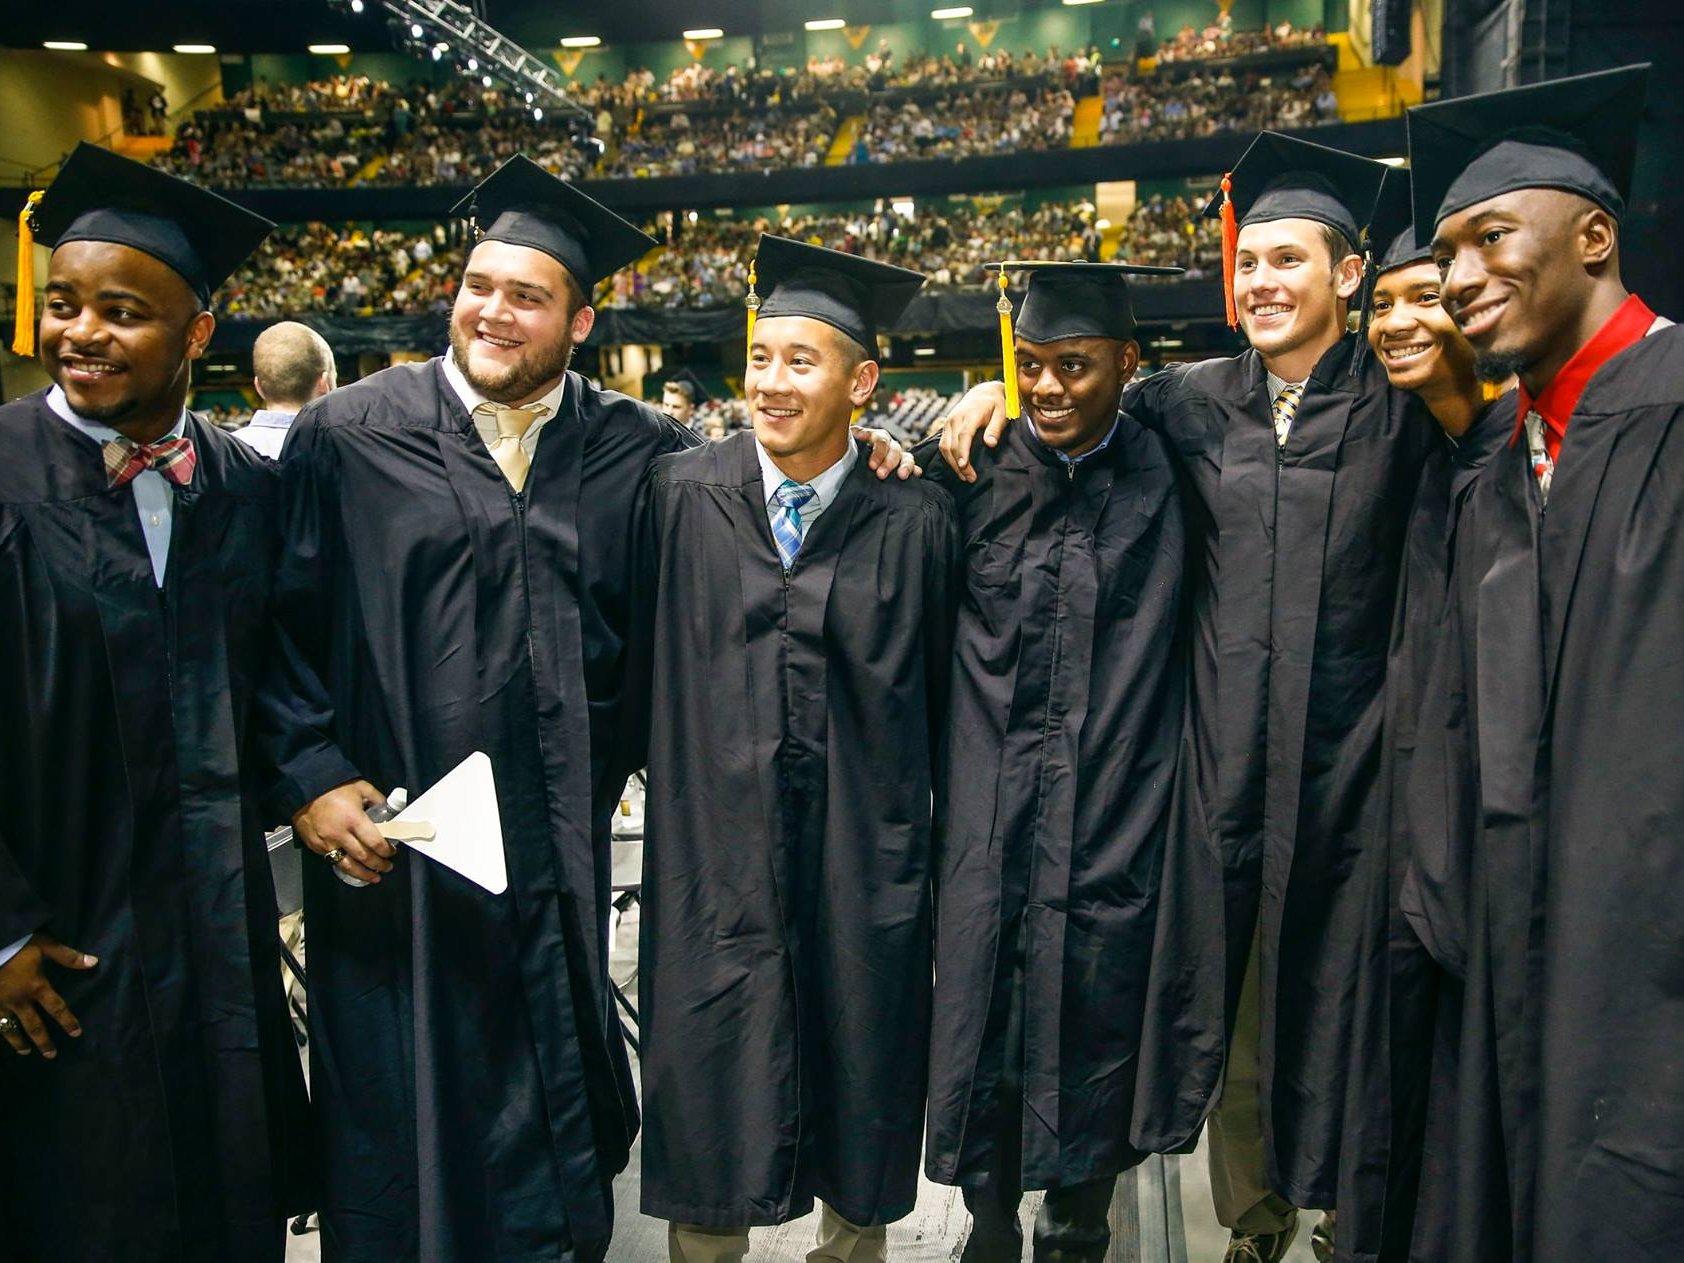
1230 249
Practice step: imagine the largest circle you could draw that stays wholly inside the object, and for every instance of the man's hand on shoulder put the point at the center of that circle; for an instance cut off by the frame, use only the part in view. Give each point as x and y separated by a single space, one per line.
887 455
983 408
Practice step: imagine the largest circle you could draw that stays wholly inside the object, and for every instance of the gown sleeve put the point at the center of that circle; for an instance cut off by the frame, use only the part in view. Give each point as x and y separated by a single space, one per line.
295 717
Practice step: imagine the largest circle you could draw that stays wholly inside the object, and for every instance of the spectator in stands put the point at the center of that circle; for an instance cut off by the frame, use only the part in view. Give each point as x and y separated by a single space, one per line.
678 401
291 365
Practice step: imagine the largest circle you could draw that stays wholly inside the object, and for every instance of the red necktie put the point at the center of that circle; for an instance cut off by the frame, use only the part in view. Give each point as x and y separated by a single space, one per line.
174 458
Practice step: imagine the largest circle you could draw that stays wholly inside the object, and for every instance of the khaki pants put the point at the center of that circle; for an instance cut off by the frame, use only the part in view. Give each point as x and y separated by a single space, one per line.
838 1242
1239 1186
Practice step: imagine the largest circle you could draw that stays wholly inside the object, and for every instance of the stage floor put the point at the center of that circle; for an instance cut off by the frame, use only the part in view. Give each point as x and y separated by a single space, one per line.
1161 1214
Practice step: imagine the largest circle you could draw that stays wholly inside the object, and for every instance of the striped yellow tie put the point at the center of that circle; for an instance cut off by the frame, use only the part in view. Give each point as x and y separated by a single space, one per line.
1285 409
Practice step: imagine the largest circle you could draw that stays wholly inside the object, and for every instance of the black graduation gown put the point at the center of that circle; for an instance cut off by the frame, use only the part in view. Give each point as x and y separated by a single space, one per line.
173 1128
1276 787
785 953
1398 980
473 1087
1067 701
1570 1102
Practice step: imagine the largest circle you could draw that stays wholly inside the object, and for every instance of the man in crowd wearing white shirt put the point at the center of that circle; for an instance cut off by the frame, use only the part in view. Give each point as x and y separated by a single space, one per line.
291 365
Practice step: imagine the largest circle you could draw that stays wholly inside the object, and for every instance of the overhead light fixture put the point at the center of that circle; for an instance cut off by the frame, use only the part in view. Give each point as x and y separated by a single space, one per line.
65 45
581 41
195 48
1394 162
709 32
356 6
826 24
329 50
942 14
1081 1
1169 344
923 350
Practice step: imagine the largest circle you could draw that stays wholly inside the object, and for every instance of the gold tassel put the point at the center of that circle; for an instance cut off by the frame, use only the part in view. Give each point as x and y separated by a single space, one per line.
23 334
753 304
1008 351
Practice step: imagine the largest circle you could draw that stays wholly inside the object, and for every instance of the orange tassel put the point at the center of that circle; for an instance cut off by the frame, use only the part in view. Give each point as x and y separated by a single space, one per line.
1230 249
23 332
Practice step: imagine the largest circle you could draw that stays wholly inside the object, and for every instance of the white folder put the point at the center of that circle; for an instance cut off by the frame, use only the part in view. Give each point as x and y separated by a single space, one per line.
467 831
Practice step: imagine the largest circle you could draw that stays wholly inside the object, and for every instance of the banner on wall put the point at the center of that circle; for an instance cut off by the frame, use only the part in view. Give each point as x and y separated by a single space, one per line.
856 35
984 32
568 59
698 47
344 60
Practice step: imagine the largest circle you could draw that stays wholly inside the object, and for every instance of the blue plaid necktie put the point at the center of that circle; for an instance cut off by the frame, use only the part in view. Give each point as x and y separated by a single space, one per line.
792 497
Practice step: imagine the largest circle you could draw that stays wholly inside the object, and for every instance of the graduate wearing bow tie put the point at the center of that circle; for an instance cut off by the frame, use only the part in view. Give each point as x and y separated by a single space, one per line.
150 1087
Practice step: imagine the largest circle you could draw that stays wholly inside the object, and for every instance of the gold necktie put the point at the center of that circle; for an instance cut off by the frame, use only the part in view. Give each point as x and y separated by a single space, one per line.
1285 409
512 425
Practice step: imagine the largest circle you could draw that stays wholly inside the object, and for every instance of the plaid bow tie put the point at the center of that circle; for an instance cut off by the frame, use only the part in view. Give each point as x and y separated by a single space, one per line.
174 458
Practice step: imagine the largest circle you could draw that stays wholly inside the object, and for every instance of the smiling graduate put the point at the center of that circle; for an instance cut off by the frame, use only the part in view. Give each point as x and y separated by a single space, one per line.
798 616
149 1083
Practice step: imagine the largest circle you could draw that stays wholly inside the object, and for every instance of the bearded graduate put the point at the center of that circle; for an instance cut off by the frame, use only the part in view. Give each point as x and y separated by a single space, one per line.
455 580
798 614
150 1088
1067 704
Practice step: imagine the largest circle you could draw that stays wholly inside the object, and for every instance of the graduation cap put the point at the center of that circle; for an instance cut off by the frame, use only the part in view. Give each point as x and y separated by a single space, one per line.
524 205
1279 177
1066 300
854 295
1393 225
102 196
1578 135
689 381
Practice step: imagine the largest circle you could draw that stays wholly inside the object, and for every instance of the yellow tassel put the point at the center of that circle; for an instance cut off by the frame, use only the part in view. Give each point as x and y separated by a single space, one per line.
1008 351
23 334
753 304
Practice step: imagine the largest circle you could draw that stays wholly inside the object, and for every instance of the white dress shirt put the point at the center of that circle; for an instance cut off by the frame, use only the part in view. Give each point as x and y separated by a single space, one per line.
154 494
825 486
266 432
487 425
154 501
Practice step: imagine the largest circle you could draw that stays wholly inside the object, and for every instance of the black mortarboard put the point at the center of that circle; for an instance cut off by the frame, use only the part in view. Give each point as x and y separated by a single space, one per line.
1279 177
524 205
102 196
1077 300
1393 225
1578 135
857 296
684 377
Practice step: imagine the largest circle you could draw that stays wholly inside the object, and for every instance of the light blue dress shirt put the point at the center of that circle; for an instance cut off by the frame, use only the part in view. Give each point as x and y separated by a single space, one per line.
154 494
154 500
825 486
